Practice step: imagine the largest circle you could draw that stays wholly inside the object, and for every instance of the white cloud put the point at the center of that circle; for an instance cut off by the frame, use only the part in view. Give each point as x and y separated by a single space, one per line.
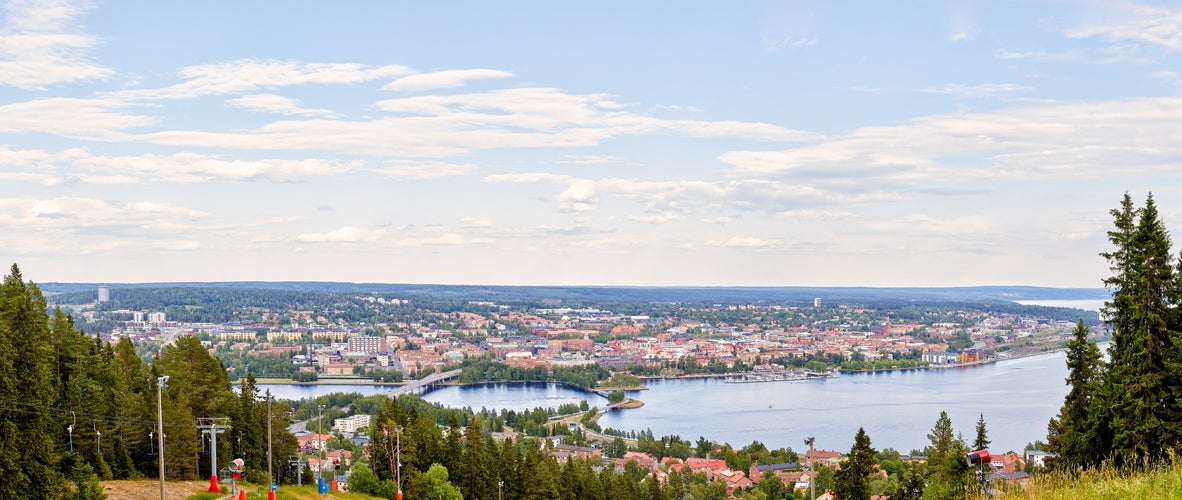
246 75
272 103
813 214
80 165
975 227
978 91
476 222
422 170
1052 141
675 107
39 46
440 240
749 242
656 219
530 178
579 197
79 215
1137 24
448 125
586 160
346 234
1070 235
95 119
1040 55
444 79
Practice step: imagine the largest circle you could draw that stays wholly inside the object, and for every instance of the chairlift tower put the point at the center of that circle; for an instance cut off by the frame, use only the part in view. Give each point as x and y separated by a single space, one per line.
213 427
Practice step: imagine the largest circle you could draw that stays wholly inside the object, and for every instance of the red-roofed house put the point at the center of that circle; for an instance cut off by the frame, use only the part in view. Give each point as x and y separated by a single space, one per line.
826 457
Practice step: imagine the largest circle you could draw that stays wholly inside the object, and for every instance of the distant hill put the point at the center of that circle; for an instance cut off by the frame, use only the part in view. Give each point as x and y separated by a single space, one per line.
719 295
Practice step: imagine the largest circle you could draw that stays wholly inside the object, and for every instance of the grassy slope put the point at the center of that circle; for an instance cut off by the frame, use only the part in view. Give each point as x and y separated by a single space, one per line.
1163 483
197 490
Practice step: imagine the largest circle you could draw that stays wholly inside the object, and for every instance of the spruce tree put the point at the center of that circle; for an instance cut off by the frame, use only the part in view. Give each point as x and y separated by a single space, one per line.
28 434
1071 434
982 440
1143 388
852 482
948 474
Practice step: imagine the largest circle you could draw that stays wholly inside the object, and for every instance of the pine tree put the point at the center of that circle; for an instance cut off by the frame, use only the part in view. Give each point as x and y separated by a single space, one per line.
852 482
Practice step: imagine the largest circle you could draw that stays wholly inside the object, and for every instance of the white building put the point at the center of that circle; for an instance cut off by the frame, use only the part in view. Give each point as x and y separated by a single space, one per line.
104 294
351 424
156 317
817 302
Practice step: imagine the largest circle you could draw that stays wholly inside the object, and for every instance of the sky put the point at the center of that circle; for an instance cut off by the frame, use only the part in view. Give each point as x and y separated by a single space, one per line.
700 143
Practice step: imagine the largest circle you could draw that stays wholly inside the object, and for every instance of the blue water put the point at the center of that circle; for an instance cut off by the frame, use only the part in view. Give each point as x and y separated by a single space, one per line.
897 409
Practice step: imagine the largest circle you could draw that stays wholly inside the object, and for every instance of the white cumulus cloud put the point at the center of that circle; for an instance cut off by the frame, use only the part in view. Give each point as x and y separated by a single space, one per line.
39 45
272 103
444 79
346 234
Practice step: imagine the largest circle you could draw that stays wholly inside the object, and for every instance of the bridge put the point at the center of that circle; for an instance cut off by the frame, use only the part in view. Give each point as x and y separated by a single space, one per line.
425 384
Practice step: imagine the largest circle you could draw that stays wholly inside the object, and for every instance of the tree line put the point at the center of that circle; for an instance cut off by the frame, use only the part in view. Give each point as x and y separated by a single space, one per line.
75 409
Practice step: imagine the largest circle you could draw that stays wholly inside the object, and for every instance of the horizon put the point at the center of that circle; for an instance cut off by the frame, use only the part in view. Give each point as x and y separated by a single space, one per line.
802 144
111 283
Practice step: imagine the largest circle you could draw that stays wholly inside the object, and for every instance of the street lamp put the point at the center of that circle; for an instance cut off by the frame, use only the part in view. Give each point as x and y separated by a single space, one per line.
397 451
809 458
161 383
320 444
398 458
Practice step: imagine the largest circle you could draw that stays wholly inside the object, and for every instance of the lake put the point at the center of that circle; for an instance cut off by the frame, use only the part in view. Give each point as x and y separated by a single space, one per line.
897 409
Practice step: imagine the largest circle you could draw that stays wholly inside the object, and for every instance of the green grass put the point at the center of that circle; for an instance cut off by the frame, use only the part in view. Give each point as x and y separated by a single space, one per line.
1161 483
285 492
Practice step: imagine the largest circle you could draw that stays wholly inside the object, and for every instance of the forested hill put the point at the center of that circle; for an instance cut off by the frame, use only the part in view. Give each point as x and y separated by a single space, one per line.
710 295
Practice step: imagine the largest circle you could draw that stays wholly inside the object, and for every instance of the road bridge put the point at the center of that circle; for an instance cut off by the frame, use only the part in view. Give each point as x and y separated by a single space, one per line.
425 384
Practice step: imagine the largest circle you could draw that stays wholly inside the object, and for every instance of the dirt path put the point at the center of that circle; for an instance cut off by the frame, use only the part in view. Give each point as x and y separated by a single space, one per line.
150 490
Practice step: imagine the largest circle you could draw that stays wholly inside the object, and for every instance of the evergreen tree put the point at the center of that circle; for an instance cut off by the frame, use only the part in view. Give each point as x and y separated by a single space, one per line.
1071 434
248 430
1143 392
910 486
852 482
27 434
949 476
982 440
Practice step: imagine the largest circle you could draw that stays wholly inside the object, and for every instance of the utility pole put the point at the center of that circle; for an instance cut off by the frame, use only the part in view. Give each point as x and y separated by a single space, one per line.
320 445
161 383
270 476
213 427
396 467
813 480
398 476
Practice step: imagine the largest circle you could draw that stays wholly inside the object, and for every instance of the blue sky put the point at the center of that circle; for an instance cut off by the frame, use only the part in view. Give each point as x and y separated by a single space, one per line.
910 143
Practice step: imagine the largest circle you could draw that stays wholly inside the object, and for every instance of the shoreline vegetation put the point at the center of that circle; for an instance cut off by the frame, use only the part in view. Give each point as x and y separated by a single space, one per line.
639 387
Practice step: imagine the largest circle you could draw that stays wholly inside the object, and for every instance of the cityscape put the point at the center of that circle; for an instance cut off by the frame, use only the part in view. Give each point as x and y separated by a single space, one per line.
694 250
